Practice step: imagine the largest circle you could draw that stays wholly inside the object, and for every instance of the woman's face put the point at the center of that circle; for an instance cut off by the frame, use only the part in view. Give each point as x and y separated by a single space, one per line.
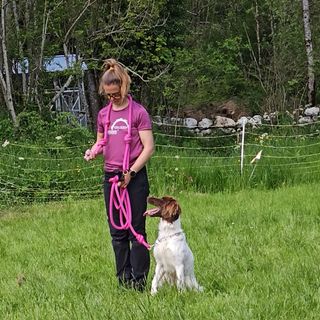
113 93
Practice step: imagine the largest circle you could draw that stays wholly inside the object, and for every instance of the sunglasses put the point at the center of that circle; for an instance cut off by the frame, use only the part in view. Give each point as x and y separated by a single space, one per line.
116 95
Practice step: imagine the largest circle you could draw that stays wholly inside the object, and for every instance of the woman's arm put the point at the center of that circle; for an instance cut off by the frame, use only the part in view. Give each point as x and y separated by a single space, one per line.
99 136
146 138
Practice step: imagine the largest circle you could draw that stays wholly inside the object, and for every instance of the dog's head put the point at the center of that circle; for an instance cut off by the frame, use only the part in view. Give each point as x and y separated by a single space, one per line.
166 207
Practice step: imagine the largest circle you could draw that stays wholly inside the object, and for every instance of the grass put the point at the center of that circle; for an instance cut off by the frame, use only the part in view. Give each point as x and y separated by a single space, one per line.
256 253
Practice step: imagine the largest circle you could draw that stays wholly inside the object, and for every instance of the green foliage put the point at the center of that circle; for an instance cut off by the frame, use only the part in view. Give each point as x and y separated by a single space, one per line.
67 127
6 129
30 126
206 74
34 129
205 50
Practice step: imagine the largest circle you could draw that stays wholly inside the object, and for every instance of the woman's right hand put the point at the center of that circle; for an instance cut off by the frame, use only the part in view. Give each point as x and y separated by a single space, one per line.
96 149
88 155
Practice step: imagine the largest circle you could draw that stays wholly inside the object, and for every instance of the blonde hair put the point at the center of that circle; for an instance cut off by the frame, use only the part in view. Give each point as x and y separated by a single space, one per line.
114 73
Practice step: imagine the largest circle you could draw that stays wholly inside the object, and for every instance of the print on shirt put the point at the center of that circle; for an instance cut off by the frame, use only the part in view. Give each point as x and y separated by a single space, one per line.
115 128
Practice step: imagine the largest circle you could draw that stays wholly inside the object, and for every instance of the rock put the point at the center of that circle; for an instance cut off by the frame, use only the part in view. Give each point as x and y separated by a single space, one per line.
251 121
166 120
241 121
176 120
157 120
227 130
190 123
312 112
224 122
304 120
266 117
206 132
196 131
274 116
257 119
205 123
298 111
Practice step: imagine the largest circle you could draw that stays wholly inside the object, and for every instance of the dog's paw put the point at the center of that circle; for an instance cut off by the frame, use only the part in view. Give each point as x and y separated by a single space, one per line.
200 289
153 291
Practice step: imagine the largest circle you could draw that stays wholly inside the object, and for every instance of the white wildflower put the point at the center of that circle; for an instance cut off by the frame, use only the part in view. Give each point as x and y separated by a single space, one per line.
58 137
5 143
21 158
176 156
176 169
257 157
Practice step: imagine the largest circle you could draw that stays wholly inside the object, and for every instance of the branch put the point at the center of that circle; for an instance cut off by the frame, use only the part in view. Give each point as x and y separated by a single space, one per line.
60 92
147 80
89 3
99 34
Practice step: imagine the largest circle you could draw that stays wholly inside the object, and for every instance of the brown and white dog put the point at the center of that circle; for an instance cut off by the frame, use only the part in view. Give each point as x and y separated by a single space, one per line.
174 259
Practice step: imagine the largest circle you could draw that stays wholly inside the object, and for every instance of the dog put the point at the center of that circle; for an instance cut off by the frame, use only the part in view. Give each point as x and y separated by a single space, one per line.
174 259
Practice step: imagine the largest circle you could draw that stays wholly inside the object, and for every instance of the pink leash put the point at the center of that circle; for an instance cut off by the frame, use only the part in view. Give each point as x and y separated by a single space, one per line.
119 197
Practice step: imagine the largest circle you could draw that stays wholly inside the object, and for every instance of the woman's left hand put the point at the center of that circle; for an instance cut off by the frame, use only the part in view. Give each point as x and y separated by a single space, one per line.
125 181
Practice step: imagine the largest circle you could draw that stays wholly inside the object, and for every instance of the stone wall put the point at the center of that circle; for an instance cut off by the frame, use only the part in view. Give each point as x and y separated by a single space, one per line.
206 125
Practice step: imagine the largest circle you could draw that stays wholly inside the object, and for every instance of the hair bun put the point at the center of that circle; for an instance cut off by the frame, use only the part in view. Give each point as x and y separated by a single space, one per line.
109 64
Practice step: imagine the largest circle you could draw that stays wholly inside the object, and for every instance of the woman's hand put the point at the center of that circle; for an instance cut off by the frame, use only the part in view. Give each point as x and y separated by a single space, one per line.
88 155
125 180
96 149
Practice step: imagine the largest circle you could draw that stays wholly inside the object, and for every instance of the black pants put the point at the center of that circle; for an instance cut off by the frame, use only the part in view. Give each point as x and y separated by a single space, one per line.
132 258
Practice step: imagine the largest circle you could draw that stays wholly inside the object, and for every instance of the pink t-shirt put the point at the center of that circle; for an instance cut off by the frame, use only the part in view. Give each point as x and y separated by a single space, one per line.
118 128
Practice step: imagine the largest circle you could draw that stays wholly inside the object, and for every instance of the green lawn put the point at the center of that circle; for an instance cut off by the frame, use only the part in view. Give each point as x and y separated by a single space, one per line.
257 253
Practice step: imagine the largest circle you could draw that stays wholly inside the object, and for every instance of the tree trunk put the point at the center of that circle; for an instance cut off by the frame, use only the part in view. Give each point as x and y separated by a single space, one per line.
94 100
6 82
309 50
256 16
20 47
45 21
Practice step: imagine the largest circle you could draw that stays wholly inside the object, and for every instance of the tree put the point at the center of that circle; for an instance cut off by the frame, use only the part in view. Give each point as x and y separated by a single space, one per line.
5 67
309 50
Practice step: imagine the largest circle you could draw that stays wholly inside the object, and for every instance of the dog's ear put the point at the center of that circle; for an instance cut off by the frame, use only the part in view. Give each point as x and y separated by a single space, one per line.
157 202
168 199
171 209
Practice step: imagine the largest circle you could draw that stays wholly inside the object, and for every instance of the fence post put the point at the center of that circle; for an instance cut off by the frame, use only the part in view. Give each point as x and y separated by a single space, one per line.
242 144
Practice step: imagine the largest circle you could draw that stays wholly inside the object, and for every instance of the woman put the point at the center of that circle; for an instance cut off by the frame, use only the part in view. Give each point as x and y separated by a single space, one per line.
132 258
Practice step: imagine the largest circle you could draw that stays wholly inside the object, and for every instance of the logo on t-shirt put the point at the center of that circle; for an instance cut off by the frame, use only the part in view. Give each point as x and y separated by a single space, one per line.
119 124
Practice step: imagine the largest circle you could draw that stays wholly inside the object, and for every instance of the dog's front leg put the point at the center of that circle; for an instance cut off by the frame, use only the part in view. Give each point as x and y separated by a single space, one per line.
156 279
180 277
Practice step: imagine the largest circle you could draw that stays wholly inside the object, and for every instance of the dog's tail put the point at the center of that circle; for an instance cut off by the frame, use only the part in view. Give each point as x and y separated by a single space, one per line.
192 283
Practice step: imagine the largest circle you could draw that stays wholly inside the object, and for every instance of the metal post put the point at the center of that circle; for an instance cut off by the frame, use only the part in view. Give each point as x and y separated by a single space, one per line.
242 145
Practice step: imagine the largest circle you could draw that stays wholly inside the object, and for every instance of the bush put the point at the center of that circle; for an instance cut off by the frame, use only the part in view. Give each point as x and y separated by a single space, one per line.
6 129
30 127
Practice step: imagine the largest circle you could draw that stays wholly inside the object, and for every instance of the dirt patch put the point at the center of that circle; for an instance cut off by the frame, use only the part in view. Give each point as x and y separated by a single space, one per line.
230 109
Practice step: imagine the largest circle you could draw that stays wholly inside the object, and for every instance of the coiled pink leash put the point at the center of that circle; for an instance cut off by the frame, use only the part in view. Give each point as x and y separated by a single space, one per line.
119 197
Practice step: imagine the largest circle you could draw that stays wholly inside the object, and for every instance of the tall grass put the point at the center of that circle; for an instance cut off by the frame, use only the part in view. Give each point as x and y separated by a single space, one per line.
256 253
55 169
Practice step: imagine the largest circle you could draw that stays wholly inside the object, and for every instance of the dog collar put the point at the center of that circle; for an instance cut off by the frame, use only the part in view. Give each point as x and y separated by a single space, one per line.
168 237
